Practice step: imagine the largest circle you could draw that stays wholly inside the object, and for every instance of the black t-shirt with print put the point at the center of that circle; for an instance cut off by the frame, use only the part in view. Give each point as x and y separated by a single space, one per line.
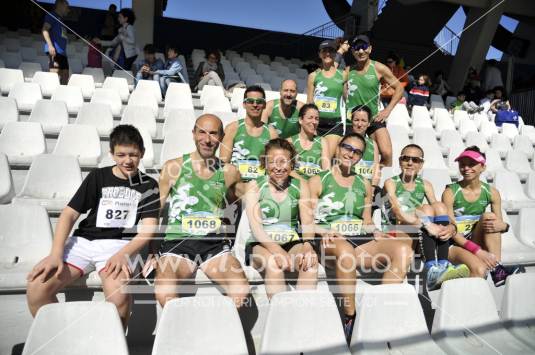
117 200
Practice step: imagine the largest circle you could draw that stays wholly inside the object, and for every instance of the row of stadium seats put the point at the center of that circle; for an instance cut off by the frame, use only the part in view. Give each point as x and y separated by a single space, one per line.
308 322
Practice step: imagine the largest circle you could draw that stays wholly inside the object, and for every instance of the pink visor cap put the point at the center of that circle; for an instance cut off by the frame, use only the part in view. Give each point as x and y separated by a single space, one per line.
475 156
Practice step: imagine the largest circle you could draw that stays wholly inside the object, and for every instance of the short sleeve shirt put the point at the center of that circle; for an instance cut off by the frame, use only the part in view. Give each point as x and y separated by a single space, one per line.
115 205
58 33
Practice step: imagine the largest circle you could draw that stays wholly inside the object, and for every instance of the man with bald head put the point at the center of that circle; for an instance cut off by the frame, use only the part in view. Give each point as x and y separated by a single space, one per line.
199 187
283 113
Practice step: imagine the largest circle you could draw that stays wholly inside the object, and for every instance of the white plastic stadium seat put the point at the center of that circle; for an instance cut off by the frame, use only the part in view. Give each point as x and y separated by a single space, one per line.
225 117
509 130
48 82
528 131
458 116
524 145
525 225
488 129
467 126
399 117
494 163
28 53
22 141
517 161
148 157
109 97
514 252
26 94
151 85
518 308
120 85
51 182
126 74
12 44
215 317
140 117
420 117
84 82
450 138
7 190
80 141
319 332
177 144
8 78
477 139
511 191
96 73
209 92
217 103
11 60
71 96
29 69
391 320
26 239
97 115
8 111
99 323
52 115
466 321
178 96
438 178
443 120
501 143
178 119
143 97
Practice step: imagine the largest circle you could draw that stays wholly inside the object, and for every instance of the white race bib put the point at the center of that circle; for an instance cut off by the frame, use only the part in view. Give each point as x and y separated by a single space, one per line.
281 233
116 213
308 169
326 104
200 223
250 169
349 227
364 168
465 224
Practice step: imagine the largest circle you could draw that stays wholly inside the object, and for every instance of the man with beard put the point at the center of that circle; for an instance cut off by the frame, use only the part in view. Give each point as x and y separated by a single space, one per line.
283 114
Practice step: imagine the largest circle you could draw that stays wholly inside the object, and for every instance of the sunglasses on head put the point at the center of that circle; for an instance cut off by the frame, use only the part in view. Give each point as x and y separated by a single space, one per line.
359 46
407 158
252 101
351 149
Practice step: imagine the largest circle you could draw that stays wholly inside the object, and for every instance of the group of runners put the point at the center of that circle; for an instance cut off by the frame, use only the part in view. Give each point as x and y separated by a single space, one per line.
308 180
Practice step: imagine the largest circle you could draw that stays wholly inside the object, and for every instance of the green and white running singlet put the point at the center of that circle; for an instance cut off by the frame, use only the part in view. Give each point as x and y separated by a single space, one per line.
196 205
408 200
279 219
340 208
308 161
466 213
328 95
286 127
246 151
365 165
363 89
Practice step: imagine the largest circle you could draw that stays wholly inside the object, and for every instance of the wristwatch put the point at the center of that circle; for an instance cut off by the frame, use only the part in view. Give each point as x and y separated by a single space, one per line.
506 228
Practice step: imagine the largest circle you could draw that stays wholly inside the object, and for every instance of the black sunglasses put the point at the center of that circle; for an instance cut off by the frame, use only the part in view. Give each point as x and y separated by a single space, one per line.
359 46
351 149
407 158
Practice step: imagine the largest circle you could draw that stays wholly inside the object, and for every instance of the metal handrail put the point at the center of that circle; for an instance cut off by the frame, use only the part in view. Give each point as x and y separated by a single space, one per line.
328 30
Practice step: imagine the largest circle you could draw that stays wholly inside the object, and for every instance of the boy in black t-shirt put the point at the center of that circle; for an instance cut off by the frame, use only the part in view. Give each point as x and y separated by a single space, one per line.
120 200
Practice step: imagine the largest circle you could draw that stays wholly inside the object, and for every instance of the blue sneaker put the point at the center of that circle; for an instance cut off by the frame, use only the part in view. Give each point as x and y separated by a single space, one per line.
432 277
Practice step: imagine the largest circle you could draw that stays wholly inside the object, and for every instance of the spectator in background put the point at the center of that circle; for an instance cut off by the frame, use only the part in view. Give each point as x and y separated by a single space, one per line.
150 65
125 52
387 91
412 79
171 71
55 36
94 55
109 29
209 72
419 93
500 101
493 76
440 86
461 104
343 47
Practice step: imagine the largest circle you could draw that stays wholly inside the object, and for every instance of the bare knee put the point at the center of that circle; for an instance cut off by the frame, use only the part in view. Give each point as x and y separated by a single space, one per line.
427 210
402 253
478 271
273 269
440 208
488 215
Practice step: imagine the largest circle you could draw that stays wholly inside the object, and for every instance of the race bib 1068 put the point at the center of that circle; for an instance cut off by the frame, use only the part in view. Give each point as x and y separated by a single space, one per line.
116 213
200 223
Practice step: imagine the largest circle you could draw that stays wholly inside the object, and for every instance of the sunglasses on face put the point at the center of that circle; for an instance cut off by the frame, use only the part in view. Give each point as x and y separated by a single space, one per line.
351 149
357 47
407 158
252 101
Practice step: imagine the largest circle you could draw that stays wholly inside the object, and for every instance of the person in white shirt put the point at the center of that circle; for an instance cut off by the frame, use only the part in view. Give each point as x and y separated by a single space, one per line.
493 76
125 41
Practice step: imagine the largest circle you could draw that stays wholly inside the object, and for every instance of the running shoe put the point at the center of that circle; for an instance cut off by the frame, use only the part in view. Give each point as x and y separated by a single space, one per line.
500 273
432 277
438 274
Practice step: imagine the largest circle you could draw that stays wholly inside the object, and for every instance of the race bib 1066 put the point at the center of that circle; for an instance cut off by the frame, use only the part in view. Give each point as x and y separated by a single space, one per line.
347 226
326 104
116 212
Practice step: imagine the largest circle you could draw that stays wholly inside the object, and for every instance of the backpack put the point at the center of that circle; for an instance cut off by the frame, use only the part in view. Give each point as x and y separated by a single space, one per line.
506 116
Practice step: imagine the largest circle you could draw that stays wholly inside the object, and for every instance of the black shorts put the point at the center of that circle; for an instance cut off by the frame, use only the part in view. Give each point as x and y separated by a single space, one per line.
330 126
58 62
197 250
287 246
374 126
358 240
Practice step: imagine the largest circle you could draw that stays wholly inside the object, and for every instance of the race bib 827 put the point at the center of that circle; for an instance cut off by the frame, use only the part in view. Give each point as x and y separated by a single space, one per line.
116 212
